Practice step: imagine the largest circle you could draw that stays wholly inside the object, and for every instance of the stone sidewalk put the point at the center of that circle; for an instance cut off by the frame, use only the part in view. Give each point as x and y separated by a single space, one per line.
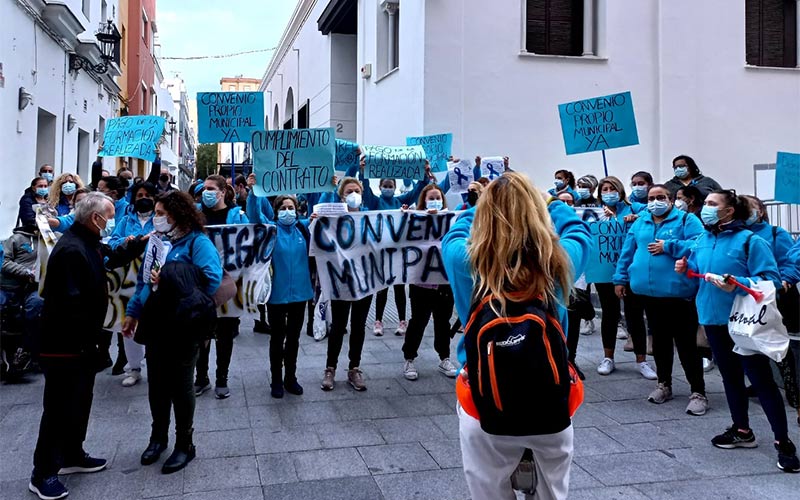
396 441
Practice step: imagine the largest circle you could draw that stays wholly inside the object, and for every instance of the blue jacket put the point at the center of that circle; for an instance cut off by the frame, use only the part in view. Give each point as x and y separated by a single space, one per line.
554 192
63 207
64 222
780 242
291 278
120 209
794 254
654 275
130 225
726 252
259 209
575 238
373 202
204 255
623 209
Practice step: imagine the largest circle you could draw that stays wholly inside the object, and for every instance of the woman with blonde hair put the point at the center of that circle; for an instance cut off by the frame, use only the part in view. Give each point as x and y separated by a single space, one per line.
62 192
514 252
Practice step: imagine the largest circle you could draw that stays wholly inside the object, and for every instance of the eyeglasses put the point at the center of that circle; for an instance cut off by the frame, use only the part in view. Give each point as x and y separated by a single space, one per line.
659 197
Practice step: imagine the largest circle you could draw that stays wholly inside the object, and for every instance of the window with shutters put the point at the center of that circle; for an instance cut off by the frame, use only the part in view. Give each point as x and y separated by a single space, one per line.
554 27
771 33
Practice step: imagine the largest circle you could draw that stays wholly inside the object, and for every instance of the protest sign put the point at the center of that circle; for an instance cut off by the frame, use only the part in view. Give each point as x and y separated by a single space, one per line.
361 253
135 136
787 177
329 209
460 176
608 236
437 149
492 167
394 162
293 161
155 255
229 116
347 156
598 123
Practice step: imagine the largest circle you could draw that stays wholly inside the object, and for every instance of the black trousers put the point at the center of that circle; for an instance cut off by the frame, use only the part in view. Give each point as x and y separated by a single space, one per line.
674 325
286 321
399 300
226 330
170 372
340 312
424 303
67 403
634 318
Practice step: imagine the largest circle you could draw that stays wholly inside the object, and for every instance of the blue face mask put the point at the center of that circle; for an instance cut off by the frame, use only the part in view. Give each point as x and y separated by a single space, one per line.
68 188
109 229
387 192
209 198
709 215
287 217
584 193
752 219
639 192
559 183
48 176
681 172
658 208
434 204
611 199
42 192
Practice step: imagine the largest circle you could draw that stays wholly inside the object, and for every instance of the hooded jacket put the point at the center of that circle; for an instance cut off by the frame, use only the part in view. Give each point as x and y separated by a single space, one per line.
20 252
780 242
706 185
291 277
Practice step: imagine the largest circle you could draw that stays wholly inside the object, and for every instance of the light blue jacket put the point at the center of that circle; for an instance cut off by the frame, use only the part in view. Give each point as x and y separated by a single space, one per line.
728 252
203 254
64 222
258 209
373 202
780 242
654 275
291 278
794 254
623 209
130 225
120 209
575 238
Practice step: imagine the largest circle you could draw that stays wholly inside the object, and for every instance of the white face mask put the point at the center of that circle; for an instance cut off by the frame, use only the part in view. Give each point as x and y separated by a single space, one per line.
161 225
353 200
434 204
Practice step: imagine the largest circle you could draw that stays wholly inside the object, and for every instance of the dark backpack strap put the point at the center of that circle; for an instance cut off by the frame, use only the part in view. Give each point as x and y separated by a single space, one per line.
747 248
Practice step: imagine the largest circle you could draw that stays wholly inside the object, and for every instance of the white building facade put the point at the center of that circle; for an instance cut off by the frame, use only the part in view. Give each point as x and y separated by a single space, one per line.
709 79
50 112
182 135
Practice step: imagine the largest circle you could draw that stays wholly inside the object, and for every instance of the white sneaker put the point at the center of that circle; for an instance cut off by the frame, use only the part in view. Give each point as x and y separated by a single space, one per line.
401 328
622 333
378 329
708 364
647 372
587 327
448 368
606 366
133 378
409 372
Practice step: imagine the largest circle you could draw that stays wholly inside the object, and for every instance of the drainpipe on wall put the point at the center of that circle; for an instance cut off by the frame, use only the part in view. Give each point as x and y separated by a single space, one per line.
64 112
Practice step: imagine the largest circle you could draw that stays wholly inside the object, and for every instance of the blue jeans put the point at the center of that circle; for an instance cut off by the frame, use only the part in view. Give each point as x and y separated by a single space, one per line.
733 368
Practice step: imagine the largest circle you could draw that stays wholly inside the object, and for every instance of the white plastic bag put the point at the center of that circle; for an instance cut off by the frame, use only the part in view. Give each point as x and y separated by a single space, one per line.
322 317
757 327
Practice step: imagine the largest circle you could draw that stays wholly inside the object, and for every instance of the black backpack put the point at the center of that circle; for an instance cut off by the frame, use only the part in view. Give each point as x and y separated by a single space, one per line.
518 368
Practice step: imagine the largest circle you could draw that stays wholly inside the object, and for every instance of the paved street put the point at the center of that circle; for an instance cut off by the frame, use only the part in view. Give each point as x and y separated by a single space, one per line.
396 441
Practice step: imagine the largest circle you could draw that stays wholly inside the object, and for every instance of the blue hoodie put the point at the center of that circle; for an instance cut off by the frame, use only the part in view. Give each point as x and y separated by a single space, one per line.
575 238
726 252
373 202
622 209
120 209
204 255
130 225
654 275
794 254
291 278
780 242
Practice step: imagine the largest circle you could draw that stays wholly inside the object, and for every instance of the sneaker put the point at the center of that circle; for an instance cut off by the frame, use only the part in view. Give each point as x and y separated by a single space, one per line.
732 438
448 368
49 488
356 378
698 404
708 364
661 394
262 327
787 456
201 386
401 328
409 372
587 327
647 372
378 329
606 366
327 379
292 387
622 333
133 378
85 464
222 392
628 347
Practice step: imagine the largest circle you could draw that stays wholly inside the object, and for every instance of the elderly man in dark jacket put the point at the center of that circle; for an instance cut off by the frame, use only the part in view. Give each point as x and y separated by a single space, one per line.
75 306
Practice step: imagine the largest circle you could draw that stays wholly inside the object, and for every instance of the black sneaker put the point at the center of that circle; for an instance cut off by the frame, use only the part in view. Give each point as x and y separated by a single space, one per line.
732 438
292 387
276 390
201 386
787 456
84 465
262 327
49 488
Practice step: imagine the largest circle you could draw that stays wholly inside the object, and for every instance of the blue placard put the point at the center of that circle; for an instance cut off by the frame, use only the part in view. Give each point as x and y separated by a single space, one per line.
608 236
293 161
437 148
787 177
598 123
346 155
135 136
394 162
229 116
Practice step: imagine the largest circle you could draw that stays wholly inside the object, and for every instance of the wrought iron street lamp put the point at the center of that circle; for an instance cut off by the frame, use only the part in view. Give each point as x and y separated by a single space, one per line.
108 38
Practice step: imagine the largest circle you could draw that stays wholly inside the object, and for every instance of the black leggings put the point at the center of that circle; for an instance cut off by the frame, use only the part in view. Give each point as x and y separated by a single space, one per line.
286 321
424 303
170 368
634 318
340 312
227 329
399 300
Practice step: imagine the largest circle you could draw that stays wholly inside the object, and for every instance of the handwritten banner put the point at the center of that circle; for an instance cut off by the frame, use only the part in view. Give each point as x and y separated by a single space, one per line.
787 177
461 175
347 156
229 116
135 136
293 161
598 123
437 148
361 253
394 162
492 167
608 236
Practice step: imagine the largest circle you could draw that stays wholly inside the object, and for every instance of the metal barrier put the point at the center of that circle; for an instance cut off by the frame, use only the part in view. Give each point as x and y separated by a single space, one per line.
785 215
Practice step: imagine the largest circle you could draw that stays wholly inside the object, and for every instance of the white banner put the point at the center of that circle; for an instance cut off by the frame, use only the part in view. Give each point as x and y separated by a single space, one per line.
361 253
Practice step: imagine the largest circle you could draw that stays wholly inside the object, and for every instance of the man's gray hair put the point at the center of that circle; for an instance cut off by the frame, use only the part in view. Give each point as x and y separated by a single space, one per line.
93 202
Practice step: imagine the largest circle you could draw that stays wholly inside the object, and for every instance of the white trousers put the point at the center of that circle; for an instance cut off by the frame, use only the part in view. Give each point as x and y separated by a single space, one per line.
490 460
135 354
